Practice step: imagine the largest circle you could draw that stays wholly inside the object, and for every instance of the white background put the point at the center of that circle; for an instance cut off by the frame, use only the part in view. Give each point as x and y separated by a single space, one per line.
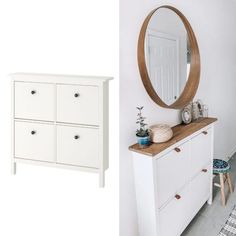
213 22
68 37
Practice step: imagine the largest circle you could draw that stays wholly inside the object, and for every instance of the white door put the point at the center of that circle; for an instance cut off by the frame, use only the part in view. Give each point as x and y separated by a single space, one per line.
34 141
34 101
201 151
200 189
177 177
163 64
77 146
78 104
174 216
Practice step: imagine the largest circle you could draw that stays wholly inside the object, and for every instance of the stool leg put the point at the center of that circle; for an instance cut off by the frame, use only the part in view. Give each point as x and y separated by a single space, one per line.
222 189
229 182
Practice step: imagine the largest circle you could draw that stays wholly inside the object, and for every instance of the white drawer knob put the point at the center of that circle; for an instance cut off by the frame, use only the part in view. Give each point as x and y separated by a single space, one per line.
76 137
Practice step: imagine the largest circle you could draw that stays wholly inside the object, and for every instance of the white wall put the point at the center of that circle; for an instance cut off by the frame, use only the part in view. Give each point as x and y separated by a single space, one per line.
51 36
213 22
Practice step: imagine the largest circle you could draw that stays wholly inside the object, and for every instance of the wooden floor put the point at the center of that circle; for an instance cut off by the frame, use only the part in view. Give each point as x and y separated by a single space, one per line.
211 218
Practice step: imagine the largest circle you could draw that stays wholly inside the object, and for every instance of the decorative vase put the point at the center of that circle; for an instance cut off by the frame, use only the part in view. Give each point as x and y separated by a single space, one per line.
143 142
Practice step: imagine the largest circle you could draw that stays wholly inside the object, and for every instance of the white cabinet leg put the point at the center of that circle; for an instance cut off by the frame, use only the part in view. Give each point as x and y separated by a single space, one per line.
13 168
101 179
209 200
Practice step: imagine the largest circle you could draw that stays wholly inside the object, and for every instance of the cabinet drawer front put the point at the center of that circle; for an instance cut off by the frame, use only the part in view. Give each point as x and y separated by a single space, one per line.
34 101
172 172
200 189
77 104
174 216
77 146
34 141
201 150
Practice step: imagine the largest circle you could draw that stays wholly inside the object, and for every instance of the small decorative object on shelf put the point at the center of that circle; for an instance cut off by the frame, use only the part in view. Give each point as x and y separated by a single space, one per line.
160 133
195 111
200 107
187 114
142 132
205 110
199 110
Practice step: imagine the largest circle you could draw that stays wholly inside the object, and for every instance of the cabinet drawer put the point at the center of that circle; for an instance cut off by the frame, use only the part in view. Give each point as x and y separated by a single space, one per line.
77 104
201 150
172 172
34 101
174 217
77 146
34 141
200 189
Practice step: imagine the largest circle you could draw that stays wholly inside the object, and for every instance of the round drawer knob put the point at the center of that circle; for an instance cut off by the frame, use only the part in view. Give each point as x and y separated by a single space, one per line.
204 170
76 137
33 132
76 95
204 132
177 196
33 92
177 149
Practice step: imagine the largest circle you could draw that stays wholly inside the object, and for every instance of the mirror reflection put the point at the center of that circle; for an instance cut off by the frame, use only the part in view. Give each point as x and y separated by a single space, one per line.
167 54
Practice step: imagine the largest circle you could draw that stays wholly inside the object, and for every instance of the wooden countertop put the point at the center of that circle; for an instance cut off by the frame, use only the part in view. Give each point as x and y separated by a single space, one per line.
180 132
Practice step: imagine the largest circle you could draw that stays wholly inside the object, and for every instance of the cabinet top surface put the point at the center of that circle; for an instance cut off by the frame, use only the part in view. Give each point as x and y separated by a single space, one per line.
180 132
50 78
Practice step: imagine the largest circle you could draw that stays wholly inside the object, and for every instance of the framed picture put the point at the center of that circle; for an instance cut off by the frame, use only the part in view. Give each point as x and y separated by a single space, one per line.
187 115
200 107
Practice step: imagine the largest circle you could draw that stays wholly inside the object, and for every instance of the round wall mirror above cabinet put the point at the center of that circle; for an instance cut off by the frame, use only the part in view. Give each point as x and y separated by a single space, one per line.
168 58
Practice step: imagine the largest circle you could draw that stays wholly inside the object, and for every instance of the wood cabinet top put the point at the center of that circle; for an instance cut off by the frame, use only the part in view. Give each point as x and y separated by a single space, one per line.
180 132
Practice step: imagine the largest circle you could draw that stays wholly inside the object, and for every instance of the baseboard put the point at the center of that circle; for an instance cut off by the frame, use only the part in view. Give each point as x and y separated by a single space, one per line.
233 151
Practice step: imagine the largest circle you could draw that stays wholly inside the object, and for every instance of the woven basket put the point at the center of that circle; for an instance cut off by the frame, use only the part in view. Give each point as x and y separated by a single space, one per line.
160 133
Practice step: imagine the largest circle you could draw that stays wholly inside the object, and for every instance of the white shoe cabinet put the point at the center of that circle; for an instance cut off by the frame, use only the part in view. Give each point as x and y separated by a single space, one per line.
61 121
173 180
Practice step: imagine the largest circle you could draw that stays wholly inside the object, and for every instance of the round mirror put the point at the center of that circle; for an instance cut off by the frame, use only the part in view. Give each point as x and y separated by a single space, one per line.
168 57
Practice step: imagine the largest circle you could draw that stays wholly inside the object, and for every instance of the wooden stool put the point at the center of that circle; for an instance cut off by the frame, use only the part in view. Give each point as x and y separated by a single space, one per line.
222 168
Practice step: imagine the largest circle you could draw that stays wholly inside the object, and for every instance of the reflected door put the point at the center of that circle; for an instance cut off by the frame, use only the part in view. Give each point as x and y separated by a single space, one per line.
163 63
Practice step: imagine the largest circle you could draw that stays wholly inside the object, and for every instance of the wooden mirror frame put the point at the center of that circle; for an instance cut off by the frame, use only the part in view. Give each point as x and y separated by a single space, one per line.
192 83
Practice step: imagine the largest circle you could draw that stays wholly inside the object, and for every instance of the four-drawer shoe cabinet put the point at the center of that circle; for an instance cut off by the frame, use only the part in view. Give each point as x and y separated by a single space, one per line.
61 121
173 180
